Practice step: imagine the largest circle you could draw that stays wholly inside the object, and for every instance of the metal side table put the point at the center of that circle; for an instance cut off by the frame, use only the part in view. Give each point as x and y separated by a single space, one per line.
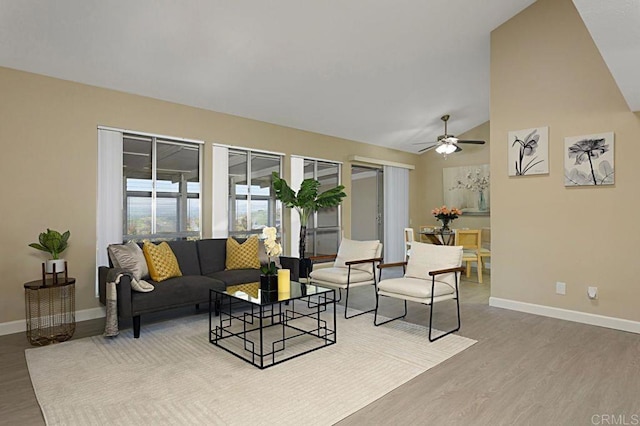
51 311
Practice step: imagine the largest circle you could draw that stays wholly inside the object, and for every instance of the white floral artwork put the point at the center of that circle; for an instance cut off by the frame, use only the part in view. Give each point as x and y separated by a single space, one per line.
467 188
588 160
529 151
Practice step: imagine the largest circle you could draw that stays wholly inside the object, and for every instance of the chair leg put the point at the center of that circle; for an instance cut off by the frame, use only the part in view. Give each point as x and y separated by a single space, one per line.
432 339
346 306
375 315
468 269
479 269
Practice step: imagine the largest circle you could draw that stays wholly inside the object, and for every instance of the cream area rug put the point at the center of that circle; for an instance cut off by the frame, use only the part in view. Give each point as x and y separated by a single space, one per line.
172 375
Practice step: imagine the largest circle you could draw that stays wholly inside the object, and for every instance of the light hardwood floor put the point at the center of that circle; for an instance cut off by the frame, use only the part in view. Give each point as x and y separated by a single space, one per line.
525 369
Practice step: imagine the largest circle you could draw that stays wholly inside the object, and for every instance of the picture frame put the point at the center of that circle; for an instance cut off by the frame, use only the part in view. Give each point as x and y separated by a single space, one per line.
468 188
589 160
529 151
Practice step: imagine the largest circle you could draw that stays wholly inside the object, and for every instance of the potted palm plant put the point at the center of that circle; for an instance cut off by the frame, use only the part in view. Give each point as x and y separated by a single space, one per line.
54 243
306 201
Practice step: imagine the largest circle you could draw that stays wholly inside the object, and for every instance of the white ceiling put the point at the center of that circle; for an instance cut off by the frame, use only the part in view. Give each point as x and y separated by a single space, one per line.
375 71
614 26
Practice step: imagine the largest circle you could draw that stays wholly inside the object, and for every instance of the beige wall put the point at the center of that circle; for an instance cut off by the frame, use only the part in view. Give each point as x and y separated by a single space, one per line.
48 167
429 171
546 71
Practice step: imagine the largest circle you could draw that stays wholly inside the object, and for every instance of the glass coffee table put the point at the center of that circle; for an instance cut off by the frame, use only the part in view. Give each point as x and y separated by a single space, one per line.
268 328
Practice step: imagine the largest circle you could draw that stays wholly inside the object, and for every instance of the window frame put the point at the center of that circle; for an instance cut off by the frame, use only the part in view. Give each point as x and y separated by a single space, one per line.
154 194
233 197
312 232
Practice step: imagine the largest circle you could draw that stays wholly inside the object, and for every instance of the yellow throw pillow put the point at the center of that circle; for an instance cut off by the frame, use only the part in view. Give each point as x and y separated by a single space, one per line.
242 256
161 261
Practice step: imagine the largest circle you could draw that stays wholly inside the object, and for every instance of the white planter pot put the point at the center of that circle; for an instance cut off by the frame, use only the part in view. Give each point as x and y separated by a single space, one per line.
59 263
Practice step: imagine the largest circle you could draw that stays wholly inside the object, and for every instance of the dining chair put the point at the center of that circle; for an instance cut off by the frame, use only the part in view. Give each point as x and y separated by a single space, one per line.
353 266
485 249
431 275
424 228
470 240
408 239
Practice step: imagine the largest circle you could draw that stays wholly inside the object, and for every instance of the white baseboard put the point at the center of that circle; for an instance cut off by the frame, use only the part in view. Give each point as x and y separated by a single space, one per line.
20 326
565 314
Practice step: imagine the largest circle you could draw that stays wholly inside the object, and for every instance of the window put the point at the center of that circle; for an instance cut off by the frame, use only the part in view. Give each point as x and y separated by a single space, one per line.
252 202
162 188
324 227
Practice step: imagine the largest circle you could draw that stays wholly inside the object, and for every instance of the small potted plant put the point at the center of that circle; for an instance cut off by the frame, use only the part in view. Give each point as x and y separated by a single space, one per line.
269 277
55 243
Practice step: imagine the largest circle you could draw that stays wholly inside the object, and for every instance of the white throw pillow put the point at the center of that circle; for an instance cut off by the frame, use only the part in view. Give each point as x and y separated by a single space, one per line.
129 257
430 257
357 250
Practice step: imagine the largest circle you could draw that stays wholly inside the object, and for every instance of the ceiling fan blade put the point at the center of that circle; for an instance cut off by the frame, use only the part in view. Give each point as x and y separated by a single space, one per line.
428 148
477 142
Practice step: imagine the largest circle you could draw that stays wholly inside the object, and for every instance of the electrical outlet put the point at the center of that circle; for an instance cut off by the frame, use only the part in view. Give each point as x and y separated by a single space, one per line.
561 288
592 292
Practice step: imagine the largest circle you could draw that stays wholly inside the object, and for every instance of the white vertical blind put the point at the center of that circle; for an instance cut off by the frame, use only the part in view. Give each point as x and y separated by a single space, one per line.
109 198
220 196
297 176
396 211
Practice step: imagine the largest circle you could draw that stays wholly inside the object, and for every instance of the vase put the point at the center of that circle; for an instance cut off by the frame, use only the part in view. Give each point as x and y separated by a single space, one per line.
269 283
482 202
445 224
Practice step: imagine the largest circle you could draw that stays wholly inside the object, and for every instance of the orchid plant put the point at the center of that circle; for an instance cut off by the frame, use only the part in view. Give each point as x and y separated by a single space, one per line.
272 248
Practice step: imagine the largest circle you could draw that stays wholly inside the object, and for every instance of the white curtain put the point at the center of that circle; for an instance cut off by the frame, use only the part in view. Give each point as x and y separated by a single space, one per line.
220 196
110 192
396 212
297 176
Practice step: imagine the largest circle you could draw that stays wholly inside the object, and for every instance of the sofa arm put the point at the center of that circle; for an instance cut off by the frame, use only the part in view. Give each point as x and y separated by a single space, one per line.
292 264
123 290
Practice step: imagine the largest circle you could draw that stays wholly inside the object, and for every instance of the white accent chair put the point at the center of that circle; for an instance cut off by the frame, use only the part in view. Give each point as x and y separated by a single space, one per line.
408 239
354 266
431 275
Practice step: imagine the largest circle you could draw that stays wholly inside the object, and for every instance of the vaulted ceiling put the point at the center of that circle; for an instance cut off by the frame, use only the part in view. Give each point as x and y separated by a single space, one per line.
380 72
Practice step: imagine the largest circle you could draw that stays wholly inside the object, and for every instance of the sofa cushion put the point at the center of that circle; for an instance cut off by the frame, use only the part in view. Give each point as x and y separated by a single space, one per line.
236 276
212 254
175 292
161 261
129 257
242 255
187 254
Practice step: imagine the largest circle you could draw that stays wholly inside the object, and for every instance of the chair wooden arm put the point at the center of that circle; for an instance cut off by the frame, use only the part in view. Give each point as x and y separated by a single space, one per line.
391 265
446 271
323 258
357 262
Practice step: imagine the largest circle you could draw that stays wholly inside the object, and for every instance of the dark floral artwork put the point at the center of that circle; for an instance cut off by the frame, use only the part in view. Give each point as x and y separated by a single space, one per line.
589 160
528 151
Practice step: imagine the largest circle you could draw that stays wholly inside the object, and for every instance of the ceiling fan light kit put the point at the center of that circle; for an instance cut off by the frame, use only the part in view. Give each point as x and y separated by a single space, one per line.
448 144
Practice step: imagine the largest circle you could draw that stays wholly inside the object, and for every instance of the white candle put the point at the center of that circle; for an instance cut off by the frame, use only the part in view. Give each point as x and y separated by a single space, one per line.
284 281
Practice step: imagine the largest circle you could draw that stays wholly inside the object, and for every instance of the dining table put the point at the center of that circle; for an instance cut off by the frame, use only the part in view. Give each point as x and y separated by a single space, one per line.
438 236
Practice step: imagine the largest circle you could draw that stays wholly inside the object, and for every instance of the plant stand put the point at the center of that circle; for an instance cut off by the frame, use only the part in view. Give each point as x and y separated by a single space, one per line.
50 309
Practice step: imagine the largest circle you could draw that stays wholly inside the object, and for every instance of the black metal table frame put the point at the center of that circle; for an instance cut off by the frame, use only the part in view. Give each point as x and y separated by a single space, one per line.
262 316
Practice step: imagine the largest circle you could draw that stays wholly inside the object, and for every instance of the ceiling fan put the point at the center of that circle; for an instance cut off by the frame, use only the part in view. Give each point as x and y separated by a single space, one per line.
448 144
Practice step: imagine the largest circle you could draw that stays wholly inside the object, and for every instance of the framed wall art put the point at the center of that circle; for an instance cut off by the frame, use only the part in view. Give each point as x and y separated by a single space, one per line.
467 188
529 151
588 160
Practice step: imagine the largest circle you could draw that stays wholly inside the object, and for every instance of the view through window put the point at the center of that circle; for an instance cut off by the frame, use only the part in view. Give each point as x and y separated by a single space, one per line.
324 227
162 189
252 202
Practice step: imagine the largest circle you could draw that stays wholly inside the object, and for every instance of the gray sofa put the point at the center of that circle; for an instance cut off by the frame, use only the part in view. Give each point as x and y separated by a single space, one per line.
202 264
